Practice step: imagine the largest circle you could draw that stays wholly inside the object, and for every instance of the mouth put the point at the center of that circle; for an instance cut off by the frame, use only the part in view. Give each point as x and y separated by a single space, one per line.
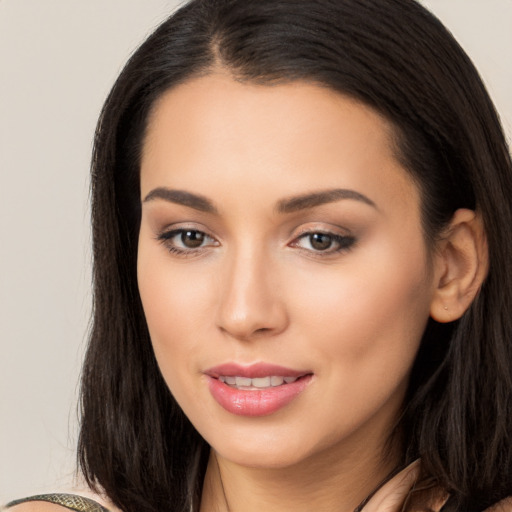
256 371
256 390
257 383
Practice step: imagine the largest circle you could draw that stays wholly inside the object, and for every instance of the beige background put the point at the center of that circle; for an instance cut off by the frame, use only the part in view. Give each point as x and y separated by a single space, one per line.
58 59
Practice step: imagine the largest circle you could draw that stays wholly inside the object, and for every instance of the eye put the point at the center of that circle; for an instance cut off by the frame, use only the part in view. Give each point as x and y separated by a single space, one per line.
191 239
324 242
186 240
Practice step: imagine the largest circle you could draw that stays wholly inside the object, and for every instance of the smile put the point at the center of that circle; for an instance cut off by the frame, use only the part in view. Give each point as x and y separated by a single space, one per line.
247 383
256 390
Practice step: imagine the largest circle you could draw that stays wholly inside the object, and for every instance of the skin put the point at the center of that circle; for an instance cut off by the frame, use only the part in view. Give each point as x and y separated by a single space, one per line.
257 290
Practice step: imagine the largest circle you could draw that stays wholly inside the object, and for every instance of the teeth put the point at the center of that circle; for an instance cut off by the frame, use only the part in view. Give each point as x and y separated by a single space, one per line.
263 382
276 381
259 382
242 381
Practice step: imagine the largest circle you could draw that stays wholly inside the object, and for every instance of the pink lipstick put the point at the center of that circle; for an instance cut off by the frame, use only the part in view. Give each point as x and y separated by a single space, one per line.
256 390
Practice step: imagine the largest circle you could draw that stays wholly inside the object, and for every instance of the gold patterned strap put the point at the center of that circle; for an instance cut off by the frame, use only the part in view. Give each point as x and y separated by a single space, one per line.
70 501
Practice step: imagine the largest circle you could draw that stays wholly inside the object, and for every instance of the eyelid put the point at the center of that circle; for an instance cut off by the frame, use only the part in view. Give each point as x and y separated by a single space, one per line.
165 236
321 227
183 226
344 239
171 233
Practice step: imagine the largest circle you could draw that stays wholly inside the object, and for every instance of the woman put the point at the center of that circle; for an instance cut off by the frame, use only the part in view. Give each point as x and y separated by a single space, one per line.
301 273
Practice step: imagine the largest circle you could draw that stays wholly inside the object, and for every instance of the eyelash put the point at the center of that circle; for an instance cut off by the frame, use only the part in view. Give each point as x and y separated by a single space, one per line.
344 242
167 236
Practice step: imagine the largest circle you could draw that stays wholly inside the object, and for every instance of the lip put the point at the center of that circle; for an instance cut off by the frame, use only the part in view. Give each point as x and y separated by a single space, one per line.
252 402
254 371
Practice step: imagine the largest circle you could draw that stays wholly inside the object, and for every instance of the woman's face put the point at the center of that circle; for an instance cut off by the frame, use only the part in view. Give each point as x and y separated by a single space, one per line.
282 268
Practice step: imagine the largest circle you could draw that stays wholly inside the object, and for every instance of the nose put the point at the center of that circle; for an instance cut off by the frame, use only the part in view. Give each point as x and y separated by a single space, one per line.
251 303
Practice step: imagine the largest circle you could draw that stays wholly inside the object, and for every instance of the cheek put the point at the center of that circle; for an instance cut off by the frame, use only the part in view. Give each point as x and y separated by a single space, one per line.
177 305
368 318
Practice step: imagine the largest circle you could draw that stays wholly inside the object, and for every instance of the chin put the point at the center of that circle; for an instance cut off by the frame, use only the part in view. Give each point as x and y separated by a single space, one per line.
271 458
264 448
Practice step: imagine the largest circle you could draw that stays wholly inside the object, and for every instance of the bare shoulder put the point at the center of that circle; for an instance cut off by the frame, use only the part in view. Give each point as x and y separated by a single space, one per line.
502 506
35 506
84 500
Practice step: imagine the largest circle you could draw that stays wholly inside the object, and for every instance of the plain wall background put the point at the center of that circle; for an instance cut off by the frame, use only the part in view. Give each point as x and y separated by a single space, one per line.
58 59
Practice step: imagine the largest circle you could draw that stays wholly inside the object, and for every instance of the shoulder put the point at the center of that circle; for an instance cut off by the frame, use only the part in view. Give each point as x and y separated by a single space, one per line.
34 506
83 501
503 506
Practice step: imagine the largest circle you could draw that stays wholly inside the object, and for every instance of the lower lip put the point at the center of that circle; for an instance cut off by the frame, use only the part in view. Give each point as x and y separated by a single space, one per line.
248 402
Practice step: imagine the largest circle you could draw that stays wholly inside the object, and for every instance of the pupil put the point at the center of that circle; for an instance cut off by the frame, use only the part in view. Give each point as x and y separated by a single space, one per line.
192 239
320 241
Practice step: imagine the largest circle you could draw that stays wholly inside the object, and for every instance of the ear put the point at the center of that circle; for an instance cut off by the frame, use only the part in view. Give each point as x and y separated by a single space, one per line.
461 262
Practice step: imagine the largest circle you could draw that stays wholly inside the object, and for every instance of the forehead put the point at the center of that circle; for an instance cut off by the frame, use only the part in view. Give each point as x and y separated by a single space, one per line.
219 101
259 135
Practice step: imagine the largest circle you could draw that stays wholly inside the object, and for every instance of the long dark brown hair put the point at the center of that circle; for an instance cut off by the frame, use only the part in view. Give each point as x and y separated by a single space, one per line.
393 55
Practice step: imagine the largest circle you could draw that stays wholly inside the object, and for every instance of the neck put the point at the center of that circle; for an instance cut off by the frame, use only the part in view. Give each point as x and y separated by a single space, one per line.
332 481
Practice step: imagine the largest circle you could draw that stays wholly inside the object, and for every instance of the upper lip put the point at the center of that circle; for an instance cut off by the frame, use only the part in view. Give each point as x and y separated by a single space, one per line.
253 371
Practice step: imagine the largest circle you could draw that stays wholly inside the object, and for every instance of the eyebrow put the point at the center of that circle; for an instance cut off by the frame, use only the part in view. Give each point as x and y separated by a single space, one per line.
195 201
288 205
305 201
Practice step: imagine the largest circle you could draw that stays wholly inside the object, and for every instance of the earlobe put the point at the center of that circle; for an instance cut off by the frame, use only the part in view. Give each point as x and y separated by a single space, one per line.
460 266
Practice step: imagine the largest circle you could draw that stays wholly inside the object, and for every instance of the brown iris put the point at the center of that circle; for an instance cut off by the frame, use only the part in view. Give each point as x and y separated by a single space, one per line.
320 241
192 239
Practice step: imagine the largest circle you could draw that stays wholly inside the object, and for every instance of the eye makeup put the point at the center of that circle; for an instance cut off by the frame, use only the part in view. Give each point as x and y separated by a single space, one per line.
188 241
